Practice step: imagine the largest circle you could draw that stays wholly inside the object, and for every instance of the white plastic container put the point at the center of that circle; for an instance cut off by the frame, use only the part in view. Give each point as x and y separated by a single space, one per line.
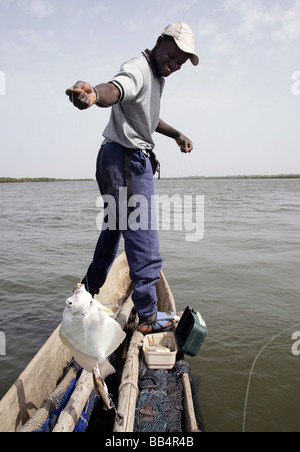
160 350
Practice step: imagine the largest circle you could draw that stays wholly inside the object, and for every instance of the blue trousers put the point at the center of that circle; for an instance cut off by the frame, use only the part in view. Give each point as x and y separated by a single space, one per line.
141 245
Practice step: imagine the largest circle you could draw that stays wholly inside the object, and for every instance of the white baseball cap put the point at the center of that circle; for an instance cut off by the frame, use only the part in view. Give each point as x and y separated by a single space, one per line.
184 38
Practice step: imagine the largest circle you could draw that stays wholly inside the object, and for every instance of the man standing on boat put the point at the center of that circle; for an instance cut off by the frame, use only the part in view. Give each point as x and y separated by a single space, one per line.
126 159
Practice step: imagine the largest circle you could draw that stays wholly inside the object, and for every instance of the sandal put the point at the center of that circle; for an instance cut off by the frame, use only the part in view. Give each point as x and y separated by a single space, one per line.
158 323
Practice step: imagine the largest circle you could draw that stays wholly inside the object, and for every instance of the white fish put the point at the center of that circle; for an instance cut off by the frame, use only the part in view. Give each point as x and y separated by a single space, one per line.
89 330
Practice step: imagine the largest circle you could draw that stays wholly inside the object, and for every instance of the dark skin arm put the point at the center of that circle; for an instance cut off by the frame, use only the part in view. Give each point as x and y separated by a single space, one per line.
183 142
83 96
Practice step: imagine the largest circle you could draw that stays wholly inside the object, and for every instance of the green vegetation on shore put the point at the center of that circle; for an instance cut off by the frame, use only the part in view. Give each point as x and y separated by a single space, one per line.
278 176
7 180
274 176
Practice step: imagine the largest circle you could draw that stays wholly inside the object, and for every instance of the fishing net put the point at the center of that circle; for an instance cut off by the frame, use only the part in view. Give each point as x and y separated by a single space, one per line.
46 417
47 414
160 402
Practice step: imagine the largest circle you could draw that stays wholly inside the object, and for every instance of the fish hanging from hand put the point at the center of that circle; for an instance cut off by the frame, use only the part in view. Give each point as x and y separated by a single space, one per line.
89 330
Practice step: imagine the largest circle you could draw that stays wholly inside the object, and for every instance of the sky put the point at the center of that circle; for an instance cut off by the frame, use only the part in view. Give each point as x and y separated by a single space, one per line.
240 106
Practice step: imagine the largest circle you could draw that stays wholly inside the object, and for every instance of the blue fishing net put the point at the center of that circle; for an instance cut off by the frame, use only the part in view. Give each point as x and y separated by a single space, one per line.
60 403
83 421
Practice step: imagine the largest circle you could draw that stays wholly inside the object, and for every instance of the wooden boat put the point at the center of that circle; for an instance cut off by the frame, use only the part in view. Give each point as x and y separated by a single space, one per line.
31 390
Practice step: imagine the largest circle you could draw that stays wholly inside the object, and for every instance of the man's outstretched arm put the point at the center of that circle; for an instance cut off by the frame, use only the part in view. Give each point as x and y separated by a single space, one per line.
83 95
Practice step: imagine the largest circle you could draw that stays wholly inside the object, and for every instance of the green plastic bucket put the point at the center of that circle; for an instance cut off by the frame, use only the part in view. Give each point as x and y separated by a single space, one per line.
190 332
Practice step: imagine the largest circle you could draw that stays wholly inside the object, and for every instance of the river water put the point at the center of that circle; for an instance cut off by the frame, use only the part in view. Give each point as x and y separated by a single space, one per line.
243 276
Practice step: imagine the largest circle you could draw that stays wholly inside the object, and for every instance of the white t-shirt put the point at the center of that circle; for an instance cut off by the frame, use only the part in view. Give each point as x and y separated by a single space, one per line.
135 117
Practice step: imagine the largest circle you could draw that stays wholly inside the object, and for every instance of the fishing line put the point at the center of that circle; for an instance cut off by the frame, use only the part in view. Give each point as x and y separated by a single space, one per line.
79 223
253 366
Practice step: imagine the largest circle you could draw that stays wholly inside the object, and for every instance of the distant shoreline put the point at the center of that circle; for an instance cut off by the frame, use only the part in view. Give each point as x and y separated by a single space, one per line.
12 180
271 176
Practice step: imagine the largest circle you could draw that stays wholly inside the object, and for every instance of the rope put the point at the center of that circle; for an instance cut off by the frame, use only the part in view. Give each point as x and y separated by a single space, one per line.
252 370
129 383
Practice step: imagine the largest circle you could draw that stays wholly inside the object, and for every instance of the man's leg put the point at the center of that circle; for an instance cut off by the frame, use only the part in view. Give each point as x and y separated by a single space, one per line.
142 245
104 256
142 249
108 243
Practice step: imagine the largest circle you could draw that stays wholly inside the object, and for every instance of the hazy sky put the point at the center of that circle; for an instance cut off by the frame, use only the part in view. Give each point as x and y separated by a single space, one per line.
237 106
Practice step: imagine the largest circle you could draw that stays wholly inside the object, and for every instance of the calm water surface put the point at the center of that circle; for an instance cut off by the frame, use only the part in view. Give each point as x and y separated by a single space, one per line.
243 277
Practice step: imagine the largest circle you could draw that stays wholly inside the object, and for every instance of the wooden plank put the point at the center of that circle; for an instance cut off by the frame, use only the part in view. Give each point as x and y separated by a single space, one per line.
190 421
166 302
71 414
117 283
124 313
37 381
128 390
